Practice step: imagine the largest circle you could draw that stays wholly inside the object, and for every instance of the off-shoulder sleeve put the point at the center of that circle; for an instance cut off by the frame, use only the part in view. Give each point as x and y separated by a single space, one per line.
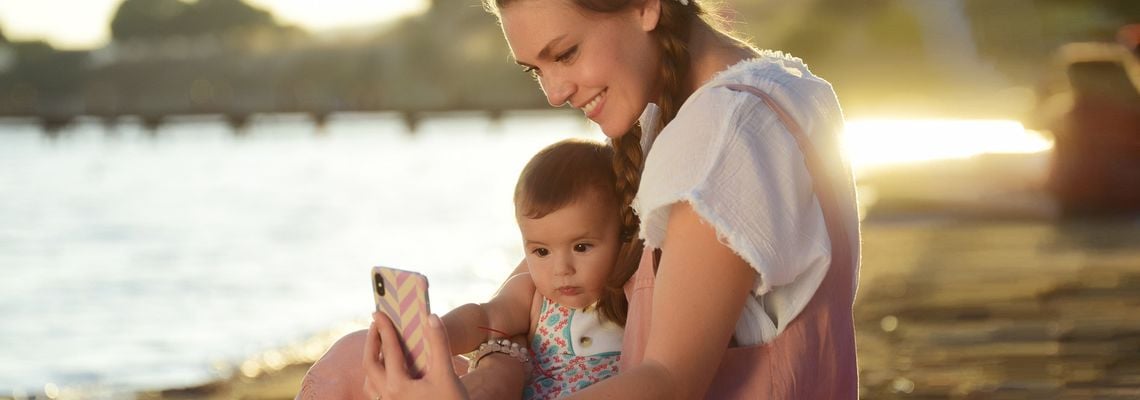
728 155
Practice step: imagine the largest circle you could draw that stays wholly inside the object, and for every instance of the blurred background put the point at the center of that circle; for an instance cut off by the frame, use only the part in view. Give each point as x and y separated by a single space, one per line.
192 192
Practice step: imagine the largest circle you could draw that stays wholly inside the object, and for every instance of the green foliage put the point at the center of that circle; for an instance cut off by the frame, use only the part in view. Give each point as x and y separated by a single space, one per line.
50 71
147 18
1020 36
454 56
1073 20
206 16
150 19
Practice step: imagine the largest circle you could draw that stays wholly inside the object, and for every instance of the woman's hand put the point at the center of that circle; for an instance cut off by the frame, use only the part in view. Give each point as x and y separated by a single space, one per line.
385 369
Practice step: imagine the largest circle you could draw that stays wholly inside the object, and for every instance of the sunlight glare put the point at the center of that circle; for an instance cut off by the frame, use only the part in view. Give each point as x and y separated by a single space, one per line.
86 23
876 143
333 14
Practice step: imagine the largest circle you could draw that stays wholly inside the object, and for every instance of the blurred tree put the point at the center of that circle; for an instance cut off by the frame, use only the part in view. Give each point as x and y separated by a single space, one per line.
150 19
881 55
220 16
1087 20
871 50
927 51
146 18
454 55
54 74
1020 35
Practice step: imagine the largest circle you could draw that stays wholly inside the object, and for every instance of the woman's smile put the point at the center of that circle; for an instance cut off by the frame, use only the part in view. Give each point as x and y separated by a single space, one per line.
594 107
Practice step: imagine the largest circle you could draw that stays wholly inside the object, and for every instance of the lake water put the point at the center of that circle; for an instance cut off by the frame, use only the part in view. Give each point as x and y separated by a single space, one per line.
134 260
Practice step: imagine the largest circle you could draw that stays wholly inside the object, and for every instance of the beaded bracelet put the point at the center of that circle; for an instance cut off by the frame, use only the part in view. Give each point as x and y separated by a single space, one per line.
501 346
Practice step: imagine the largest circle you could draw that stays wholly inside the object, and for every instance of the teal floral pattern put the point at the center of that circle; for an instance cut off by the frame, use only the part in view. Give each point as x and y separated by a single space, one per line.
558 372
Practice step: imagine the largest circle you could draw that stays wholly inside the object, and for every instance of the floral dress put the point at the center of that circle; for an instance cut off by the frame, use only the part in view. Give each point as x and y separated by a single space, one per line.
573 349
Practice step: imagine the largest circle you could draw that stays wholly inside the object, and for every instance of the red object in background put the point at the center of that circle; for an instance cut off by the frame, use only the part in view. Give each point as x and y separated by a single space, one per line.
1096 163
1129 37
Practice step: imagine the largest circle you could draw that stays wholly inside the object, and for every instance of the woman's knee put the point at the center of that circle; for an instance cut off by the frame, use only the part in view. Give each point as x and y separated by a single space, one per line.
338 374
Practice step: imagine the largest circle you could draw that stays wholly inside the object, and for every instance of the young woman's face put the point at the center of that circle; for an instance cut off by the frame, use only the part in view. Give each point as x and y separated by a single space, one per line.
571 251
602 64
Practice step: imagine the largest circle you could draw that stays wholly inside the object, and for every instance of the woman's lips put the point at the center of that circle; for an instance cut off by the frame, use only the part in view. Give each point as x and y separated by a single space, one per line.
594 107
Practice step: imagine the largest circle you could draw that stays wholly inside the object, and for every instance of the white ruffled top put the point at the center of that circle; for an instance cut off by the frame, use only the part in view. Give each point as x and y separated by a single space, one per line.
729 156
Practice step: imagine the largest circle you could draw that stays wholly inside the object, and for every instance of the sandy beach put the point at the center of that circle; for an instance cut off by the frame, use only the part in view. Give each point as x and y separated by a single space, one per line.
956 308
1000 309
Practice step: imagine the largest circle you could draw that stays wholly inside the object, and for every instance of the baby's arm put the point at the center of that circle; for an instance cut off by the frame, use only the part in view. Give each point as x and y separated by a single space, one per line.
507 312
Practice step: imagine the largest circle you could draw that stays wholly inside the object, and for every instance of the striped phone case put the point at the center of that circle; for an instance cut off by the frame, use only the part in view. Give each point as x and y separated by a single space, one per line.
403 296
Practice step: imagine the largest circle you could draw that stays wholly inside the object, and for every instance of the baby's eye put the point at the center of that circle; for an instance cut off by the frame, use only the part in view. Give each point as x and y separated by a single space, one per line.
541 252
582 247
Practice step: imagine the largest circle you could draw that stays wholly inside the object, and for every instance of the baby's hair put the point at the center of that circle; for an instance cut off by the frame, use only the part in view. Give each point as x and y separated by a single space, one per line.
566 172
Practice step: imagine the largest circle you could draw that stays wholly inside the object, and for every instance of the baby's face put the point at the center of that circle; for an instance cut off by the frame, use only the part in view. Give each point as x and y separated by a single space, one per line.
571 251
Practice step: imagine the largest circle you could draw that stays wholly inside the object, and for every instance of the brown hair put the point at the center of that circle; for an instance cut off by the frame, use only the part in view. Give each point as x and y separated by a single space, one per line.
672 34
569 171
563 173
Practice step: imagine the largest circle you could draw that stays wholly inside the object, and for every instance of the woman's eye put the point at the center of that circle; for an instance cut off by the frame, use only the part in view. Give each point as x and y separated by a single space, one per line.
541 252
533 72
581 247
566 55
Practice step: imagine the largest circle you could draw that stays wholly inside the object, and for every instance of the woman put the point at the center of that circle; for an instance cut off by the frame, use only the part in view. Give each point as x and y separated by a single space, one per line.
741 188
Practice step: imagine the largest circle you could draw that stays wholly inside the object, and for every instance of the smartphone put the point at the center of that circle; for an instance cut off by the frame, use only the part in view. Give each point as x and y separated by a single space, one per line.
403 296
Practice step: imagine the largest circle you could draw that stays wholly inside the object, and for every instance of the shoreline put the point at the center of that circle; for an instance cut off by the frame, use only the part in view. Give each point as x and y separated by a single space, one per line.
269 375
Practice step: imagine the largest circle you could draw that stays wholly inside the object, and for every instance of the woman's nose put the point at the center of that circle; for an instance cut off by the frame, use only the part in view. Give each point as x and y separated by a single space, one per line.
558 90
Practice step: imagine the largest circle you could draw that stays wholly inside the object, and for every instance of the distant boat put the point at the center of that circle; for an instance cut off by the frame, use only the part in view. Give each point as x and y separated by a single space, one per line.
1092 106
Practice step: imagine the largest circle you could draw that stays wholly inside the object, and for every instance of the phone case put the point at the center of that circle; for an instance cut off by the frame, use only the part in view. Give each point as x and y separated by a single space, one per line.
403 296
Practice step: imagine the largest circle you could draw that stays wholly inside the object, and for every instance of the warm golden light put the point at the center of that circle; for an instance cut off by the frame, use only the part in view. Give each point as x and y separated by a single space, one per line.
86 24
876 143
334 14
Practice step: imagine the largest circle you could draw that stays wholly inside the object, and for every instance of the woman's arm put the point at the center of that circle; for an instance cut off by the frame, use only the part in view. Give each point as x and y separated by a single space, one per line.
700 291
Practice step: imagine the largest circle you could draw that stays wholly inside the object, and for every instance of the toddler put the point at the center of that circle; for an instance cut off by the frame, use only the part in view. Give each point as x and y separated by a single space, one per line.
570 302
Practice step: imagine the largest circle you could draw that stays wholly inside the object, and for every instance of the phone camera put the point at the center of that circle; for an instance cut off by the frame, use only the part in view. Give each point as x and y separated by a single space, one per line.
379 282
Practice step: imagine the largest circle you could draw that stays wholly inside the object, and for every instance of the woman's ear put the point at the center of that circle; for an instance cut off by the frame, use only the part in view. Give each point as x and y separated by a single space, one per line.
649 12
